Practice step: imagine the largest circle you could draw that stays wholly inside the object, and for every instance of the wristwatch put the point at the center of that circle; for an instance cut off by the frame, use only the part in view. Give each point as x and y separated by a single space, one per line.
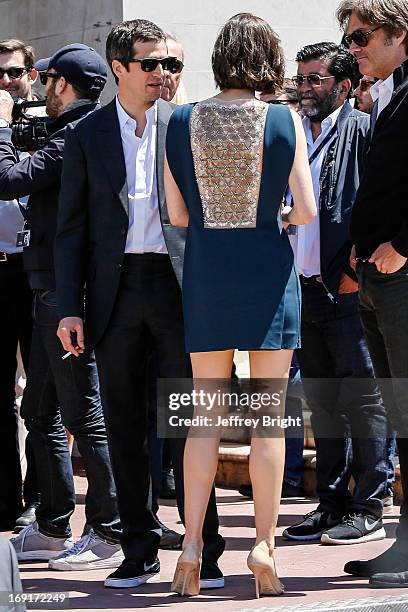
4 123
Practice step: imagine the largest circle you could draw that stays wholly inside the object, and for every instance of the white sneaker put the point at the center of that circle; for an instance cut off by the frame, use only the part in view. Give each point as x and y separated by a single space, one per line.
88 553
31 545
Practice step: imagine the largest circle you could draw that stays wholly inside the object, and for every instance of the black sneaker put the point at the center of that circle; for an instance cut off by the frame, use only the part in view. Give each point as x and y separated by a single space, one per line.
392 560
311 528
392 580
133 574
355 528
27 517
245 490
211 577
169 539
168 486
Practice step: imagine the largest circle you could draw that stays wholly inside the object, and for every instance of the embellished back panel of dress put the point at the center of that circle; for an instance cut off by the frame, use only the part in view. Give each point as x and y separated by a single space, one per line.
227 145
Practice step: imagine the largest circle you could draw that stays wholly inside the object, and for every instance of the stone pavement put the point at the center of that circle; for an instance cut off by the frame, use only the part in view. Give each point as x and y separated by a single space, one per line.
310 572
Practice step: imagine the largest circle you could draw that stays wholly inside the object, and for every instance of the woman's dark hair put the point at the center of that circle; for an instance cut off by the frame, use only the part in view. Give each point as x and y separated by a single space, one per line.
247 54
120 41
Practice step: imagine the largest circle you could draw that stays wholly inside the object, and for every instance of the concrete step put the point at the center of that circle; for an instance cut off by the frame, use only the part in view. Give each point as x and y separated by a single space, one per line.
233 469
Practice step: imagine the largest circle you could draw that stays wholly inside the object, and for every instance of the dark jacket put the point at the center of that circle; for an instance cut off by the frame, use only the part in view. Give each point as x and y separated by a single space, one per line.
381 211
339 181
93 217
38 176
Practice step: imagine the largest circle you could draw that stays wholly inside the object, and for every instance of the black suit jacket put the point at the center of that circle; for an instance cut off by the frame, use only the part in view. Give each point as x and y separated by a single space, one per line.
93 217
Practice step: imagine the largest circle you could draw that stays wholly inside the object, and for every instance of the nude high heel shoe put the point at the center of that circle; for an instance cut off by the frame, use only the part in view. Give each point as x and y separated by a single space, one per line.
186 579
262 565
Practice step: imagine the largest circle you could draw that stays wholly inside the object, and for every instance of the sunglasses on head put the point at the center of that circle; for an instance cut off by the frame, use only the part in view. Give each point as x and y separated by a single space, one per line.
148 64
13 73
284 102
359 37
44 76
315 80
365 85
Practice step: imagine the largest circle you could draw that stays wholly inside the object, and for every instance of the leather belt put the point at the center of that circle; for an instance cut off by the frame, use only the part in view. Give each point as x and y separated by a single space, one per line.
311 280
8 256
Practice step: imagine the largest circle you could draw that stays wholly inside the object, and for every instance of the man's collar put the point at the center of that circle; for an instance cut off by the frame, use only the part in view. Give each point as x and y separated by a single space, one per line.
388 83
326 123
124 117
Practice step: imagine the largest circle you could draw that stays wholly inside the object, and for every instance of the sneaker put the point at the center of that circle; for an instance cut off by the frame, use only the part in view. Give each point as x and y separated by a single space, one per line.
211 577
169 539
88 553
311 528
392 560
31 545
245 490
355 528
133 574
27 517
388 504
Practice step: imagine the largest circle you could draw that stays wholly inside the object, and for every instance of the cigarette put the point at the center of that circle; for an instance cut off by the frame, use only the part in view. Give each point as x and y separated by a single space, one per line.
68 354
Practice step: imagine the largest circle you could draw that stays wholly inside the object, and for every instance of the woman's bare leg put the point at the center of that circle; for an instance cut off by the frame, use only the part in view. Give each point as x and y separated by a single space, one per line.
201 454
266 461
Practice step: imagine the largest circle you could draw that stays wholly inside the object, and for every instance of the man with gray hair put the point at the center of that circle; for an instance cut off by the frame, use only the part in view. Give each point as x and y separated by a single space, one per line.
377 35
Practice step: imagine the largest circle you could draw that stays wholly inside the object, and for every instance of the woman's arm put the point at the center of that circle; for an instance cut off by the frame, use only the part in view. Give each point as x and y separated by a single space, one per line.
300 182
176 206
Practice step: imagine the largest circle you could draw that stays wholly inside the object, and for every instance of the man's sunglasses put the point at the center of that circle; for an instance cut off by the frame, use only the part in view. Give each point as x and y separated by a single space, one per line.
148 64
13 73
315 80
44 76
359 37
364 85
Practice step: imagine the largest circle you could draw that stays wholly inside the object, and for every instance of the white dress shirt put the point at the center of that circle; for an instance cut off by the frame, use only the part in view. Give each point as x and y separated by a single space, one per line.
145 233
382 91
306 242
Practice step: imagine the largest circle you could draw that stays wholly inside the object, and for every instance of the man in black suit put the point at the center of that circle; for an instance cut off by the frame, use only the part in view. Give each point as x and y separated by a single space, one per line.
377 35
114 235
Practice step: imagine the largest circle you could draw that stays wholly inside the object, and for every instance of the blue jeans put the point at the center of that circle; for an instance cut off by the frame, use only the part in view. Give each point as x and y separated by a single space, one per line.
347 414
65 393
293 473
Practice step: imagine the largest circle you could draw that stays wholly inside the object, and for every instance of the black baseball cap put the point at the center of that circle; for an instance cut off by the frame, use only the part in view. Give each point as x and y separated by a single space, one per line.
79 64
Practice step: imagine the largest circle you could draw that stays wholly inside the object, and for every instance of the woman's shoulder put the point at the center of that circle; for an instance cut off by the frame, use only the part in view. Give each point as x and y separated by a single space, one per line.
182 112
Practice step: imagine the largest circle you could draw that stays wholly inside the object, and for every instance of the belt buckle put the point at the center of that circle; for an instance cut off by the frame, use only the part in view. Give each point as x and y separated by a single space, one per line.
3 256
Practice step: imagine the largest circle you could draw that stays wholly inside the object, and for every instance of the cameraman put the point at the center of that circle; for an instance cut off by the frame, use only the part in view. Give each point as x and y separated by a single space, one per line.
17 75
74 78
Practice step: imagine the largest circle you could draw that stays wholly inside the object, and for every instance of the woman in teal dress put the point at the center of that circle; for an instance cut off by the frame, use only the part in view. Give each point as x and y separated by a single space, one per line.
229 162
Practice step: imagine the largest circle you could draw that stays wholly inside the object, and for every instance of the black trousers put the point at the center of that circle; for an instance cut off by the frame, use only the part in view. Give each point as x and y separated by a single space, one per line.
147 315
15 312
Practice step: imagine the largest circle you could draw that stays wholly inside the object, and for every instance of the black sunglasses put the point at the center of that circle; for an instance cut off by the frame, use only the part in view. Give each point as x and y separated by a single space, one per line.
359 37
13 73
148 64
315 80
44 76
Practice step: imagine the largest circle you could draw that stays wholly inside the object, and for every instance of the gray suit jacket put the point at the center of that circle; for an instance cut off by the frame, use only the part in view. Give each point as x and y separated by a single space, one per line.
93 217
9 576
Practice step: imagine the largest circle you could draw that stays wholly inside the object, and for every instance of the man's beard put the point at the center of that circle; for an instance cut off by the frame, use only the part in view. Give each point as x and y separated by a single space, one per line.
320 108
53 105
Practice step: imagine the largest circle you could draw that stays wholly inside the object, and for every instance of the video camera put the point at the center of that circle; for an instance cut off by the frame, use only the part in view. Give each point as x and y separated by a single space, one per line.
29 132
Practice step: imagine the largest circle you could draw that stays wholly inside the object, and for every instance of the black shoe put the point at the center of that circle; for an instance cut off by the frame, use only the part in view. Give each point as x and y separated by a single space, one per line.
355 528
211 577
311 528
245 490
169 540
133 573
393 580
168 486
289 490
390 561
27 517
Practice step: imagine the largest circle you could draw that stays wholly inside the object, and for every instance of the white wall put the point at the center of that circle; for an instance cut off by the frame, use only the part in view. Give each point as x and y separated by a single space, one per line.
50 24
197 22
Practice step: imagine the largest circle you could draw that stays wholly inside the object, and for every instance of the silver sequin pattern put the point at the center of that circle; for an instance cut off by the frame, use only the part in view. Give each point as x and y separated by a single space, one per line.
227 147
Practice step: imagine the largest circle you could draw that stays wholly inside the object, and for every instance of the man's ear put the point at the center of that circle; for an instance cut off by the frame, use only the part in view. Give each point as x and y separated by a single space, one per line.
345 85
33 75
61 85
118 68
